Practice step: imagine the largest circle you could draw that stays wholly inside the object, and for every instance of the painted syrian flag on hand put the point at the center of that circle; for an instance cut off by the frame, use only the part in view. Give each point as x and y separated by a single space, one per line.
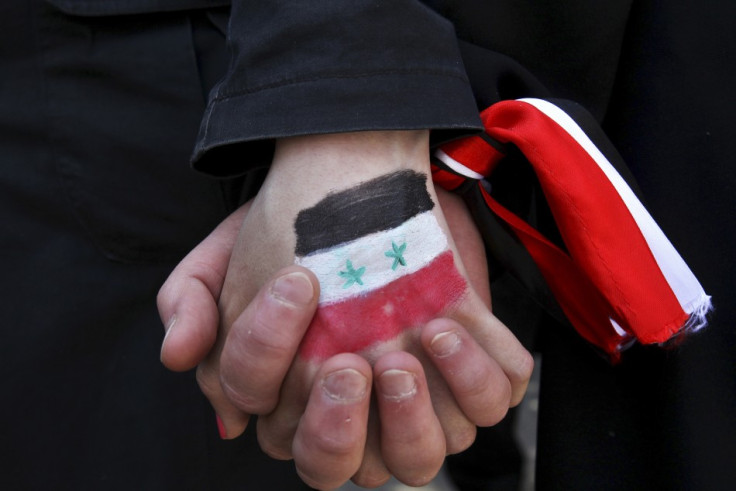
382 260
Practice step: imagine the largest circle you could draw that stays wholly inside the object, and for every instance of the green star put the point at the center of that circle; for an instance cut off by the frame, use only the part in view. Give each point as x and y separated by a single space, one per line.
398 254
352 275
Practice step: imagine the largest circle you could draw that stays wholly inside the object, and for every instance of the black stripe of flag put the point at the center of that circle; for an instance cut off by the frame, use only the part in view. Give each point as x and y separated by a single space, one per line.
373 206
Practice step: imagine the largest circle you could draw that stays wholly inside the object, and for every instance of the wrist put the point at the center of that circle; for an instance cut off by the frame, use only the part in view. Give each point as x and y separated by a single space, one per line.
318 164
306 169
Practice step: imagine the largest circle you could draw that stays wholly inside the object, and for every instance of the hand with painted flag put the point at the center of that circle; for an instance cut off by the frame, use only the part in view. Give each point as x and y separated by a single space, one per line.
400 319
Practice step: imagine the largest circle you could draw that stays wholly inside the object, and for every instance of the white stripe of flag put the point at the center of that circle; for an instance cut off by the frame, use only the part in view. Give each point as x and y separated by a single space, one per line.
418 241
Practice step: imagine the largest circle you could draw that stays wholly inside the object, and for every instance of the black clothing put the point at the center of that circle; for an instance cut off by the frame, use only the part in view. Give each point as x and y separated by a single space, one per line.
127 7
97 205
100 106
658 77
367 69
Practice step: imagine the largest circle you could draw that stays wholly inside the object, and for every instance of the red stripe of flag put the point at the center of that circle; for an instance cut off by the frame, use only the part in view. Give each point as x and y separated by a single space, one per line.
382 314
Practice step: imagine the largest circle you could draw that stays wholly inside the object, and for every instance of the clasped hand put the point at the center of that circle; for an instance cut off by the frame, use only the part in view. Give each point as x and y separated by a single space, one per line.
238 308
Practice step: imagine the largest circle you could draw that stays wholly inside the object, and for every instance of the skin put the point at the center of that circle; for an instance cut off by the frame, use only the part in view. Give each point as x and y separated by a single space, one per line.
251 366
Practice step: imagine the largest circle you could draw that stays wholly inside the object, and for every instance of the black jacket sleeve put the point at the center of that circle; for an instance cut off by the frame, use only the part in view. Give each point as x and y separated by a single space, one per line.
300 67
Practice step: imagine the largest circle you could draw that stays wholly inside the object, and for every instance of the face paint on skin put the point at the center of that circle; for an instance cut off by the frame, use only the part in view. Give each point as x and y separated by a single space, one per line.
382 260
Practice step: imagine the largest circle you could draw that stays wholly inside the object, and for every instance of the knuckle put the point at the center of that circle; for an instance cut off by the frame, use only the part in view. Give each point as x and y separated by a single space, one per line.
248 400
483 384
523 369
335 445
268 340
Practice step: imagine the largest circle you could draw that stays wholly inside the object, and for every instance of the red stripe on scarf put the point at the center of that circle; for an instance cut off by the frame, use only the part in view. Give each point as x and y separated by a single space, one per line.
609 271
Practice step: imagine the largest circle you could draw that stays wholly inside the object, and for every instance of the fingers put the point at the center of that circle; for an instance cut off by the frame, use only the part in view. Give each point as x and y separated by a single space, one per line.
373 471
245 377
276 429
231 421
191 327
412 439
498 342
459 430
477 382
475 314
339 438
187 301
329 442
263 341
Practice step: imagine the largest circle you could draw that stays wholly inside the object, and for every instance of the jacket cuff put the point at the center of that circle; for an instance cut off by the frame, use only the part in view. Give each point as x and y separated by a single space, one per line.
300 68
238 131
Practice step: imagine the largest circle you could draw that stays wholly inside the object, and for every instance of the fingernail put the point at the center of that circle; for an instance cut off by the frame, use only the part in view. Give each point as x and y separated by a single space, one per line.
398 385
294 288
346 385
445 344
221 427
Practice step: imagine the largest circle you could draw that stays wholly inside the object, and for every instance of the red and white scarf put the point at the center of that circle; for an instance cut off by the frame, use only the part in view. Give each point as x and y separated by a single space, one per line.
618 278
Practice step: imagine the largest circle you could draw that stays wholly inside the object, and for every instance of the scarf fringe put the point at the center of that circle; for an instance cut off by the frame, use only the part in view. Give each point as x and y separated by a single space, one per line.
699 310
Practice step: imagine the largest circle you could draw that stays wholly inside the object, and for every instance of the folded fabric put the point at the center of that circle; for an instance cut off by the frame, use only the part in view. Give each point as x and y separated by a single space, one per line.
613 273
